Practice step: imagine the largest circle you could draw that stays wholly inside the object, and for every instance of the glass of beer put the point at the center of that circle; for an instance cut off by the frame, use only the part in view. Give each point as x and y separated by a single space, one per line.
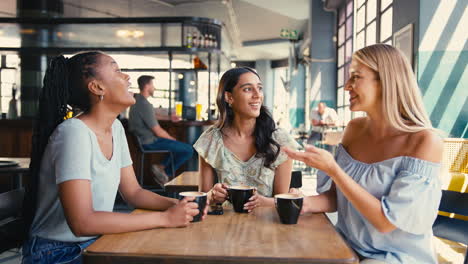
198 111
178 108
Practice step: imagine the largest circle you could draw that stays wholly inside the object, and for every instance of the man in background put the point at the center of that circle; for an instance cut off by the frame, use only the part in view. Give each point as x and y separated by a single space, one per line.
322 117
143 124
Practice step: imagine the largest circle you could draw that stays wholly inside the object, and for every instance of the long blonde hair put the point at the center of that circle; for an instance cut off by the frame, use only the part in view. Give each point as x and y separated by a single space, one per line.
401 96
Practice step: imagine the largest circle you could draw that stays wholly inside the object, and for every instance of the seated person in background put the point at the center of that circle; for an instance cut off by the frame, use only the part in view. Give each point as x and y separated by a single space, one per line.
142 122
322 118
78 165
244 146
383 180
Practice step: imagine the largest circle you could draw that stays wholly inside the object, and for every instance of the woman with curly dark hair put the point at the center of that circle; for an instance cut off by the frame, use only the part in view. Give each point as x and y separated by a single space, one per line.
243 147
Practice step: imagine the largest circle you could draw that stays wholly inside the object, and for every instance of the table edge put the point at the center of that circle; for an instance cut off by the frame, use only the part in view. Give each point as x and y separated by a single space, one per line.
90 256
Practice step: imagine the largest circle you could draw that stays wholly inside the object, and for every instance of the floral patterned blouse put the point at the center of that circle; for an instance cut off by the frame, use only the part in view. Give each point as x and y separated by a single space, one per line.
233 171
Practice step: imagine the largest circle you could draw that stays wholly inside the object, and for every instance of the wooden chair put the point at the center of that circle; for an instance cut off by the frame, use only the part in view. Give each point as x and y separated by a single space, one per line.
143 152
452 221
11 220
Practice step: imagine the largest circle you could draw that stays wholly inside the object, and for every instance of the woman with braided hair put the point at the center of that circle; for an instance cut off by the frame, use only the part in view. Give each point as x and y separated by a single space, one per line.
78 165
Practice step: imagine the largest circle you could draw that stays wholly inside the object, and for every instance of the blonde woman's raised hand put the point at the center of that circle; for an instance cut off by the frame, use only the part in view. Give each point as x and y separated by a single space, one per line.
182 213
314 157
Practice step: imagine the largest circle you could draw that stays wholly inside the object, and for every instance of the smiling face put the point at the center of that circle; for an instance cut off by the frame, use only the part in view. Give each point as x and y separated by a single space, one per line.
113 84
364 88
247 96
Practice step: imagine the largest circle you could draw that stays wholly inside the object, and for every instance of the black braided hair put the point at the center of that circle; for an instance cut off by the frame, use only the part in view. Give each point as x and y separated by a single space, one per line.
266 146
65 83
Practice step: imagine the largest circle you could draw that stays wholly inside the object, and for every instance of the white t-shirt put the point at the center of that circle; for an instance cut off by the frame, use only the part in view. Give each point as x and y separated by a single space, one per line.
73 153
329 115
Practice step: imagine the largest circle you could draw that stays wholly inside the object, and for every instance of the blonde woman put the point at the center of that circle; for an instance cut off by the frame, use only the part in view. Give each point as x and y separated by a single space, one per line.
383 180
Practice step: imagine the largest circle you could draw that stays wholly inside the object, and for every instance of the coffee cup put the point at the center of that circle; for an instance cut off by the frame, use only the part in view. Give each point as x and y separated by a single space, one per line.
240 195
200 199
288 206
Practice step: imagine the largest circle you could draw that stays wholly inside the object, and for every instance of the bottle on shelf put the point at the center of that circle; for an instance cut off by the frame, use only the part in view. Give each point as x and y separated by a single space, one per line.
207 41
195 39
201 41
189 40
215 42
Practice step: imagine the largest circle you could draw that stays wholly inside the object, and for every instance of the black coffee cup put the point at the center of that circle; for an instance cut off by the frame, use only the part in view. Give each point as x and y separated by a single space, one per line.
289 207
200 199
240 195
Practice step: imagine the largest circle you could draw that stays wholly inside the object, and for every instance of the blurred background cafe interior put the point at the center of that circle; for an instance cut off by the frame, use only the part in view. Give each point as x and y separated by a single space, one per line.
301 49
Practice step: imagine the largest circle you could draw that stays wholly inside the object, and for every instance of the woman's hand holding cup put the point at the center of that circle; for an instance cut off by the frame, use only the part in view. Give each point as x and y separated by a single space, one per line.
255 201
218 193
182 213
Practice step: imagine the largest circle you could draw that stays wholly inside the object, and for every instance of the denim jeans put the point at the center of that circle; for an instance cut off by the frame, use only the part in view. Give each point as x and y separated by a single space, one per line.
45 251
181 152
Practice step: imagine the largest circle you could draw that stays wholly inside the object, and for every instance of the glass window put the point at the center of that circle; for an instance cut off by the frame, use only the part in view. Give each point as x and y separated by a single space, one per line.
360 18
8 79
360 40
340 77
347 115
349 50
371 10
371 34
386 24
173 33
349 28
340 56
341 35
384 4
346 98
346 73
341 16
389 42
12 60
360 2
349 8
340 112
345 50
341 96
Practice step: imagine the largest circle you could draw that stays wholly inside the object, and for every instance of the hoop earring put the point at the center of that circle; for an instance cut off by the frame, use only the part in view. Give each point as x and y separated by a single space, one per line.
101 97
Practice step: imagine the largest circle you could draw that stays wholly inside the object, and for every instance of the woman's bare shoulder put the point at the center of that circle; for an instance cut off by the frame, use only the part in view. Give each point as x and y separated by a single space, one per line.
354 129
426 145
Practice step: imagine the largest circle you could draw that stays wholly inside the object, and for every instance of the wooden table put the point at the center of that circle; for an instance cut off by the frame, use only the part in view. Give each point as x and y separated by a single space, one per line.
186 181
18 171
258 237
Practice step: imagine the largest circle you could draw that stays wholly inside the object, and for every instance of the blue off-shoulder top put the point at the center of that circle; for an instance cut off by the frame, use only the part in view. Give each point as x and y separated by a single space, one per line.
409 191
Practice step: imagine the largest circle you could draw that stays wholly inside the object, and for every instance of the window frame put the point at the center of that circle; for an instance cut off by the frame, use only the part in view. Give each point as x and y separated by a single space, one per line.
342 105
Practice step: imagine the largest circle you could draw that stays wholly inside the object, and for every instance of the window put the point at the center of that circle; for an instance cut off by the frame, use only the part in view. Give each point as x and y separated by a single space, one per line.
386 25
373 24
344 53
281 98
9 74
